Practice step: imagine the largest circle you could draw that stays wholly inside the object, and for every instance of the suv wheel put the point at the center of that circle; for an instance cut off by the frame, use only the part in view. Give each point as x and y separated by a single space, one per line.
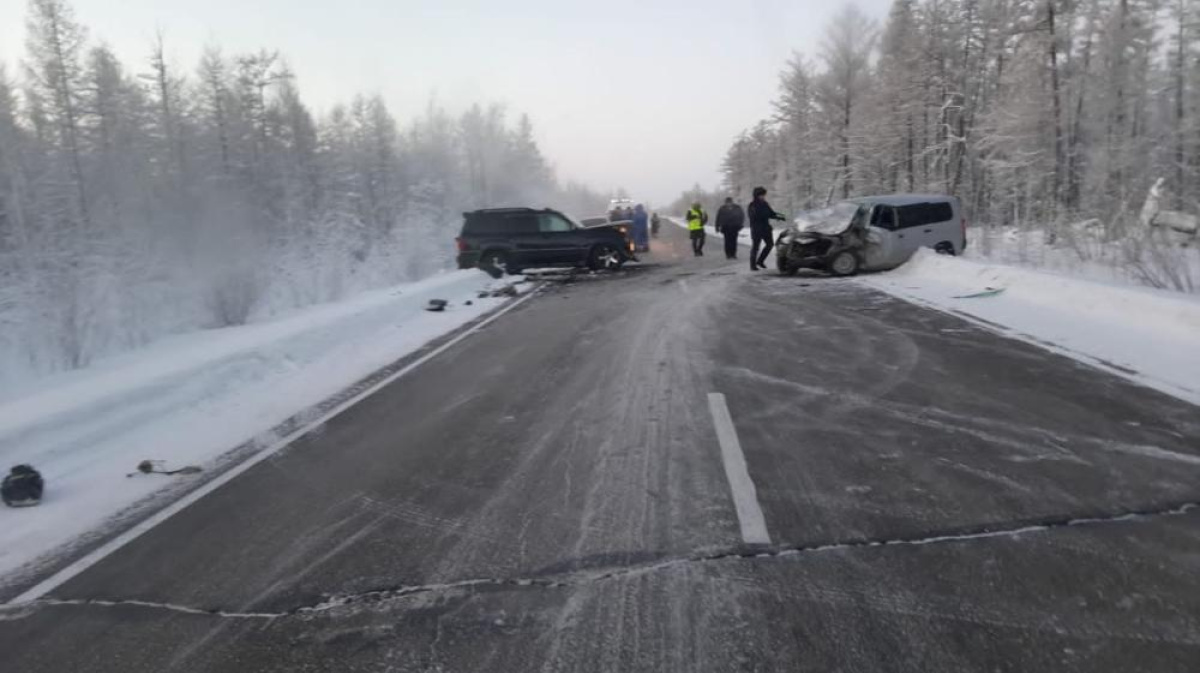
844 264
944 248
605 256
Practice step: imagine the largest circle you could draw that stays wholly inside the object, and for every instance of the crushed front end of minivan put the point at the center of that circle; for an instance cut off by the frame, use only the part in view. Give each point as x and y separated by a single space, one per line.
834 240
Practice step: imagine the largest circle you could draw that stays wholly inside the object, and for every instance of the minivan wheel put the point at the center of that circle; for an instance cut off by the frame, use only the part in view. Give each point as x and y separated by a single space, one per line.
845 263
605 256
944 248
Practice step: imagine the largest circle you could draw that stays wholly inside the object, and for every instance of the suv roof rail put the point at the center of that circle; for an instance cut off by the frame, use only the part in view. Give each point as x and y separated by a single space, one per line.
522 209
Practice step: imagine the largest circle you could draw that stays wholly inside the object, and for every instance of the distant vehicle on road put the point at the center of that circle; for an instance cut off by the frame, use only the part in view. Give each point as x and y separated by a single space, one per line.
872 233
507 240
620 210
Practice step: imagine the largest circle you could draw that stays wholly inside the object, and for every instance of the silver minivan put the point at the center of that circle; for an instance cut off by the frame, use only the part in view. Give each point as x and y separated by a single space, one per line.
872 233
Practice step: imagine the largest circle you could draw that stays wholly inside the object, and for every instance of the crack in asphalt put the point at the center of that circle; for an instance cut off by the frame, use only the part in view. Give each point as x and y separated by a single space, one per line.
580 578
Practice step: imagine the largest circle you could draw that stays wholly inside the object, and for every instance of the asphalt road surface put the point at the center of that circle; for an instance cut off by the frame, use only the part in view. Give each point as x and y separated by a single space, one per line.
681 467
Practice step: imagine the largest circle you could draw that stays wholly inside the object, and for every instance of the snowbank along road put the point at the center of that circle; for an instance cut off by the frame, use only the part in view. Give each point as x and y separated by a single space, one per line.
681 467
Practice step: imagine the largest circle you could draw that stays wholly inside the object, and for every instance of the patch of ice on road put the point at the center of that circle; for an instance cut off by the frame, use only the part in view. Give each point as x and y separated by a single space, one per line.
1151 336
191 398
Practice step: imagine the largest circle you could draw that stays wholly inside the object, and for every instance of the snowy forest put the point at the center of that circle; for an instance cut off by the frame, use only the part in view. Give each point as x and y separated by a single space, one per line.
144 199
1054 116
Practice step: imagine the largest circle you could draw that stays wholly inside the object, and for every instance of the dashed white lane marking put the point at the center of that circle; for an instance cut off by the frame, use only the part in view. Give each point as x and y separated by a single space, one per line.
745 497
103 551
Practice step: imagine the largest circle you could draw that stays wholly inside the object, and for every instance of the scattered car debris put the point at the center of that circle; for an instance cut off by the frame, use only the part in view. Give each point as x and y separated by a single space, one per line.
506 291
22 487
155 467
437 305
987 292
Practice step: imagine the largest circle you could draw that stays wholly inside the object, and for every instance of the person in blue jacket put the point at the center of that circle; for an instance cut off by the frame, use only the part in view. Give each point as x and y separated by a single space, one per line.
641 229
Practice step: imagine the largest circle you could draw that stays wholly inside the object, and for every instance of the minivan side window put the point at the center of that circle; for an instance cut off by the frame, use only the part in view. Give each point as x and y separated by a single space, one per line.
884 217
921 214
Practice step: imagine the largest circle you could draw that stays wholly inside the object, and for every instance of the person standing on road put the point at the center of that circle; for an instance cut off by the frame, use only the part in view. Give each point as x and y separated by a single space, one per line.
696 219
641 228
730 219
761 231
654 225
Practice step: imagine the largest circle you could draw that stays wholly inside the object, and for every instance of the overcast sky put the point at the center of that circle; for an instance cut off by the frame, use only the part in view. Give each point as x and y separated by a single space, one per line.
645 94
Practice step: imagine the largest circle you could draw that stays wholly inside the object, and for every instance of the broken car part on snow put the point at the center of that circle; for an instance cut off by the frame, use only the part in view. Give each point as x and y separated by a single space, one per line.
22 487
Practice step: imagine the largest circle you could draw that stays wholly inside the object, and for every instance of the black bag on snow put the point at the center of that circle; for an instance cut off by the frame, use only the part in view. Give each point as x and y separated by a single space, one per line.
22 487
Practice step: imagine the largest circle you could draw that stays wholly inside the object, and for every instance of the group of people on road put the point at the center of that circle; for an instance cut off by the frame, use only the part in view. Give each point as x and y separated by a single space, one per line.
644 225
730 220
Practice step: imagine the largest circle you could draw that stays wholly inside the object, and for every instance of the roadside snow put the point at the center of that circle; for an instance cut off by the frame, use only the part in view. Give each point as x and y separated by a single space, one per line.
189 399
1082 252
1151 336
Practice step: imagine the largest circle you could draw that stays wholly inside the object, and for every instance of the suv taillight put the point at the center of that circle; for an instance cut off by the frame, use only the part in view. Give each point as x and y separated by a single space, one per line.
462 244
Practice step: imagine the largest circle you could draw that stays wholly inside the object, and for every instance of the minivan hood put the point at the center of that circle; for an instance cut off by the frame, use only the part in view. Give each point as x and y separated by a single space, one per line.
831 221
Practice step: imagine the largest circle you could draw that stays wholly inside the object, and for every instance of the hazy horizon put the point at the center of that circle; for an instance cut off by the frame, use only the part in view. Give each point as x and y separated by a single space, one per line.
597 81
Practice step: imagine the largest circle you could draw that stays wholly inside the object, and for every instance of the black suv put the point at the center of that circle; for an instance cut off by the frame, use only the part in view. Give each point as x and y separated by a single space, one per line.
506 240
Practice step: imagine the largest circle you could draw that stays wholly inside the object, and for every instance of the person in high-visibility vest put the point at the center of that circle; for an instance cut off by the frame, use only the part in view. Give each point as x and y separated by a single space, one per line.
696 219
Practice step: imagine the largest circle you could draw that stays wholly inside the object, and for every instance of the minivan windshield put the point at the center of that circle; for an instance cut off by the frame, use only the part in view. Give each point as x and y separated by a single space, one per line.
830 221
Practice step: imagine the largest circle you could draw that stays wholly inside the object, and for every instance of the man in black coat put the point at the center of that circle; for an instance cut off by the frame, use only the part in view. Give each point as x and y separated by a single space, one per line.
730 218
761 231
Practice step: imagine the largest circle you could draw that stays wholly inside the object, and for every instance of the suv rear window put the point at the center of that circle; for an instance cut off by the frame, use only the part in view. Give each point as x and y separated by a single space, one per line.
919 214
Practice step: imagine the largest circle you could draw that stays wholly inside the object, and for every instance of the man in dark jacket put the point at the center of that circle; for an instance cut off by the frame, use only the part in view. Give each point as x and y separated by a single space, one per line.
761 231
730 218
